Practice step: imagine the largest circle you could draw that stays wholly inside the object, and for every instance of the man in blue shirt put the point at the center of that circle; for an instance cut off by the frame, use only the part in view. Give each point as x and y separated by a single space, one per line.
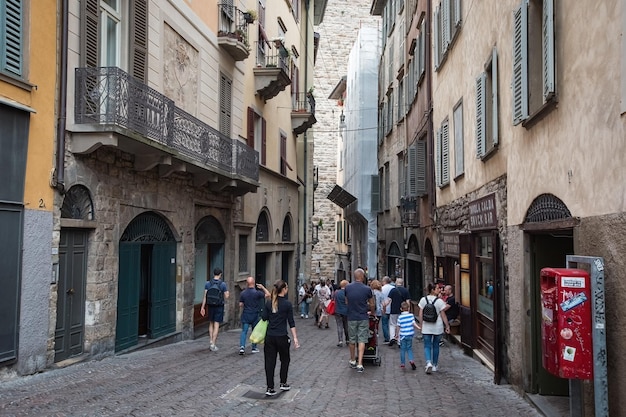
360 300
251 301
215 313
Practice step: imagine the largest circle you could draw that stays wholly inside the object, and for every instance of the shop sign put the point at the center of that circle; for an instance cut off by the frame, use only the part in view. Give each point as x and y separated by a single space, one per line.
482 213
450 244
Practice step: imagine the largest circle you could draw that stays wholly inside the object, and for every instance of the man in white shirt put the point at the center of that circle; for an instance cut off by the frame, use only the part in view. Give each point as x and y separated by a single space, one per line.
388 285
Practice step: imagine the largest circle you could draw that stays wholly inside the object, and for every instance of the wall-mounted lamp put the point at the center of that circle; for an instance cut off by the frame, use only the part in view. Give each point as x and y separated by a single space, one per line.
314 235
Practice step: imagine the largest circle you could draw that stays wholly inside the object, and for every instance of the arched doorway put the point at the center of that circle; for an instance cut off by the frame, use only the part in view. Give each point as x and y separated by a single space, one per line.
414 276
69 331
395 267
146 297
286 255
261 258
549 230
210 239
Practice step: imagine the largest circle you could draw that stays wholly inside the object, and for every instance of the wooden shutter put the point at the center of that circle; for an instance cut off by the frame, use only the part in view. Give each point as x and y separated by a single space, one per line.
549 87
459 153
139 39
445 153
494 97
446 27
412 170
11 23
520 63
225 104
457 13
481 124
420 167
250 125
375 185
438 158
437 41
283 155
263 143
89 28
422 51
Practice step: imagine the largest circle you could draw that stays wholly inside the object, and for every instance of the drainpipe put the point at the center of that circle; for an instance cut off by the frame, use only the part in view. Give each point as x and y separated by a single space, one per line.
59 179
306 152
431 142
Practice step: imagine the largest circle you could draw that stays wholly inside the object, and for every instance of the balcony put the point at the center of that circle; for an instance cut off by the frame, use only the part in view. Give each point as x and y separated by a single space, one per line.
271 75
409 211
114 109
232 34
303 112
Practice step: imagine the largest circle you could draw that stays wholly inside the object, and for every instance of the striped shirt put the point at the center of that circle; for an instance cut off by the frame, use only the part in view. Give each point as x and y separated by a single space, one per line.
406 322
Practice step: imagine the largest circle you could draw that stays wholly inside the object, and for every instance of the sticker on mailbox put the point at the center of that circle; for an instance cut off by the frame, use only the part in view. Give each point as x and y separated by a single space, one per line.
576 300
572 282
568 353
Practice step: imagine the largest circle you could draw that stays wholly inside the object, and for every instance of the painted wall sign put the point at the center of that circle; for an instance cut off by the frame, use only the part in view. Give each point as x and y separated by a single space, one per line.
482 213
450 244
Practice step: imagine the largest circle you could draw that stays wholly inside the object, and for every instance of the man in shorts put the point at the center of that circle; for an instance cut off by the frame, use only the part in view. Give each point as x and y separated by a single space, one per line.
215 313
360 300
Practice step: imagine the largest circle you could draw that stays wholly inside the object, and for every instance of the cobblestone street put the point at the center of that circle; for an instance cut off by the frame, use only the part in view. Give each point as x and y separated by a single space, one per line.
186 379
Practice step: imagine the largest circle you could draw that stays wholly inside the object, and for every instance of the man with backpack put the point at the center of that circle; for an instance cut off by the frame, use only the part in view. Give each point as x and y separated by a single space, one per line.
433 322
215 295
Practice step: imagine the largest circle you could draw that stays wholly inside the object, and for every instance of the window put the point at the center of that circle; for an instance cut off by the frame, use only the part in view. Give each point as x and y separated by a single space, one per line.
401 100
387 187
485 274
295 9
12 31
256 137
402 172
110 33
243 253
534 82
443 162
416 168
283 155
457 118
375 184
446 21
225 104
487 108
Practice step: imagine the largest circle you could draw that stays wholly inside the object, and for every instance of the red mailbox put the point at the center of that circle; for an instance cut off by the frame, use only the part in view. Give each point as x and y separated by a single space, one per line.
566 325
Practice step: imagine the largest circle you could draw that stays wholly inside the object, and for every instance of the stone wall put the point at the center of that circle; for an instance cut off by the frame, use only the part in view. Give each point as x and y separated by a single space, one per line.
338 33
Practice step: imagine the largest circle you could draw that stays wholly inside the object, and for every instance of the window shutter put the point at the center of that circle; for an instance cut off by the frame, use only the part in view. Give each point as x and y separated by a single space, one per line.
89 22
12 24
457 13
445 153
437 40
263 143
548 50
422 51
494 98
375 184
283 155
438 159
446 27
139 39
225 104
520 63
250 125
481 82
412 170
420 167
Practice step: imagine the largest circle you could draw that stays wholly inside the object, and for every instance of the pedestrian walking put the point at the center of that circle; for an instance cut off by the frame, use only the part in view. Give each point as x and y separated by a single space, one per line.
323 297
215 295
360 304
388 285
279 313
341 314
251 301
404 335
433 325
305 298
379 298
397 295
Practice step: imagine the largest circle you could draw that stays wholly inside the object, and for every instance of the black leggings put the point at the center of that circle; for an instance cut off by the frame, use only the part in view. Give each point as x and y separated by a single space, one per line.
276 345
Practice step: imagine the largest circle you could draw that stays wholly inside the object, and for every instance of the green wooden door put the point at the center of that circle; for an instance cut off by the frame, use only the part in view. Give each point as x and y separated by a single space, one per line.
126 334
163 290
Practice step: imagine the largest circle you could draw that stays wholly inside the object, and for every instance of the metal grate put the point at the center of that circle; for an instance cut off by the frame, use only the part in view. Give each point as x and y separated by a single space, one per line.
77 204
148 227
262 229
286 230
210 231
547 208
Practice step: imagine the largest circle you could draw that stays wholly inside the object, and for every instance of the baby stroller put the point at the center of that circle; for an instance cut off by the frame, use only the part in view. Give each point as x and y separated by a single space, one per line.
371 347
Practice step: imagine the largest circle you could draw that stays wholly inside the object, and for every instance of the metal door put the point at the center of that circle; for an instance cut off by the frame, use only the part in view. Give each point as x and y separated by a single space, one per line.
163 290
126 333
70 323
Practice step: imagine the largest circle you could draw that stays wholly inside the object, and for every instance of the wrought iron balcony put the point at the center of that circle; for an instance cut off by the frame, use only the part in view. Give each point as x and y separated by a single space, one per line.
409 211
232 33
113 108
303 112
271 75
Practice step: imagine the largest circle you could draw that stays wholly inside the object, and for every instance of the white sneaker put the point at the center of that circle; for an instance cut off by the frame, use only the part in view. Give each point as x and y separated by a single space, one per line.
306 316
434 368
301 316
428 368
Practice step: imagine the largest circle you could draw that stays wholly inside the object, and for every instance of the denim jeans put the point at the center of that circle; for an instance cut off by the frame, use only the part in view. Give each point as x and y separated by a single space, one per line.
406 348
431 348
304 308
385 323
244 333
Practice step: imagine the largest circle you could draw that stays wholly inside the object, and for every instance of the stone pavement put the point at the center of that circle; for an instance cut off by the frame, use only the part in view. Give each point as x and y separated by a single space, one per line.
186 379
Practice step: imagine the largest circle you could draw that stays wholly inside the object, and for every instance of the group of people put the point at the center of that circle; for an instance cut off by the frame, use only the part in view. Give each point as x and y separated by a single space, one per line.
355 303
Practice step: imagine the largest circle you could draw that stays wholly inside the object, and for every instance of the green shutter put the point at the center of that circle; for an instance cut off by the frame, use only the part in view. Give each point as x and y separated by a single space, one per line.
549 87
12 27
412 170
481 124
375 184
138 39
129 277
438 158
163 290
445 153
420 167
520 63
494 97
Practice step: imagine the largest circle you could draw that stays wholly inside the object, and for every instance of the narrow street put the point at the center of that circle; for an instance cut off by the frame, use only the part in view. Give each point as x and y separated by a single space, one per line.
186 379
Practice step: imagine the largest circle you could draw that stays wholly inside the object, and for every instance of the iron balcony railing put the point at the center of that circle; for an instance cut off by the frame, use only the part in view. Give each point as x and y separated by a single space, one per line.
110 96
409 211
233 23
303 102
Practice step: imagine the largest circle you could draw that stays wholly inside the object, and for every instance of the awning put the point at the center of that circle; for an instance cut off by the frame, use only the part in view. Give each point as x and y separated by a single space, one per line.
340 197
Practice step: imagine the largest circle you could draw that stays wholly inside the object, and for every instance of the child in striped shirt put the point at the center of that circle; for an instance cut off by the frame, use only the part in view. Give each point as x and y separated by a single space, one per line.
404 333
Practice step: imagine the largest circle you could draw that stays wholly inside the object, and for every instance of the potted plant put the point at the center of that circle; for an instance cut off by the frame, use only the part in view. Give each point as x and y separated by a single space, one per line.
249 16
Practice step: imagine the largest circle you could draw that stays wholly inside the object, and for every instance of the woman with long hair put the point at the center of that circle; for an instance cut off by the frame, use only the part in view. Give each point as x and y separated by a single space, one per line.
432 331
279 313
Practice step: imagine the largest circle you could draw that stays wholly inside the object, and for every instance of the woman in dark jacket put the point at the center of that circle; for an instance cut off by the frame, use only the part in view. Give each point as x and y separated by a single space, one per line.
279 313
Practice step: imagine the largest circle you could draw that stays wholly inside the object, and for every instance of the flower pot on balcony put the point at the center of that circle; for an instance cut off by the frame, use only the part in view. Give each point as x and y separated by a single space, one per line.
249 16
